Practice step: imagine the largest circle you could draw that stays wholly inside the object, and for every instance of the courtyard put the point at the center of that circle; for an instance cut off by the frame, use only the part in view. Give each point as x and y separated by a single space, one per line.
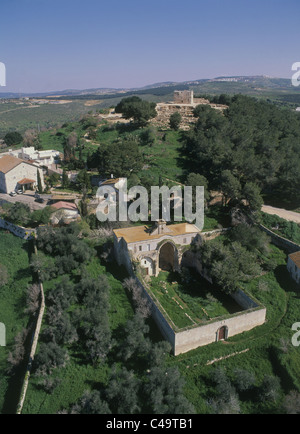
189 299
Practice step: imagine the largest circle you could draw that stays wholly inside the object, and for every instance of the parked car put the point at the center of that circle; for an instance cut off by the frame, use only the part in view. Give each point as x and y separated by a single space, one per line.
13 193
20 192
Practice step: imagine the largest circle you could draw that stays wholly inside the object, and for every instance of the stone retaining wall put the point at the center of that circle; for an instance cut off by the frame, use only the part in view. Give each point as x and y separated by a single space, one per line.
281 242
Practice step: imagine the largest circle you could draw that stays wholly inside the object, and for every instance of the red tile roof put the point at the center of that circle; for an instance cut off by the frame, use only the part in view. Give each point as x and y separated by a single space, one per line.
65 205
26 181
295 257
8 162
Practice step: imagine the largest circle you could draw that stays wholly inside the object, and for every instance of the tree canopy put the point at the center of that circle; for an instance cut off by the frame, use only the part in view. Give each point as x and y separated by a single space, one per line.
252 146
134 107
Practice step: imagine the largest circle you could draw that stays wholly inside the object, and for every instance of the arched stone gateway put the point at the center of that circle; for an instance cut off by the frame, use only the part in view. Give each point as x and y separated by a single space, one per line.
167 257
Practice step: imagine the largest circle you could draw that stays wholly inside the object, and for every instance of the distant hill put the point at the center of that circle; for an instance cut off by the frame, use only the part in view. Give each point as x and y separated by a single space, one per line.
234 84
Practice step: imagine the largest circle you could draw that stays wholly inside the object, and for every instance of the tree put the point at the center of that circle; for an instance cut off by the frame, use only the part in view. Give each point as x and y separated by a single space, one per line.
122 391
3 275
229 265
33 299
252 194
70 144
13 138
84 203
270 388
65 180
141 111
251 237
83 180
16 357
230 185
120 159
30 138
226 401
135 341
244 379
132 99
49 357
149 136
196 180
91 403
175 121
164 392
291 404
19 213
142 304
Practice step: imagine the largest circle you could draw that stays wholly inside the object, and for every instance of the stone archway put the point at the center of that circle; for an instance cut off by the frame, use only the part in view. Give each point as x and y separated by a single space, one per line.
167 257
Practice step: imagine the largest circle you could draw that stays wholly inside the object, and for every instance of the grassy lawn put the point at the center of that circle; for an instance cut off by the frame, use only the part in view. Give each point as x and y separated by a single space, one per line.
163 158
14 256
191 301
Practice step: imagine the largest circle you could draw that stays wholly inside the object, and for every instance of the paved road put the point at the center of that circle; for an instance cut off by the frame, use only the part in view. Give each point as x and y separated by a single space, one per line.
27 198
283 213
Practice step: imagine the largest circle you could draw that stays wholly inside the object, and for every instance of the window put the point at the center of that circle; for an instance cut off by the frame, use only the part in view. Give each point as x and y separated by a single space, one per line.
148 247
184 240
140 248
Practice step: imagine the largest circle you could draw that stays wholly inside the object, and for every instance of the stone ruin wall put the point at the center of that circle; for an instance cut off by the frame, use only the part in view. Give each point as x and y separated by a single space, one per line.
184 103
183 97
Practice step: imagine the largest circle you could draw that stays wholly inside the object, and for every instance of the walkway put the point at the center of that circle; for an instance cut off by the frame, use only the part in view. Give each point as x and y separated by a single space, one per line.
283 213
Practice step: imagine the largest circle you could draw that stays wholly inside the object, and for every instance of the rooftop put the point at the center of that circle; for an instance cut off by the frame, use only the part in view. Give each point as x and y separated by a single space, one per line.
110 181
143 233
65 205
8 162
295 257
26 181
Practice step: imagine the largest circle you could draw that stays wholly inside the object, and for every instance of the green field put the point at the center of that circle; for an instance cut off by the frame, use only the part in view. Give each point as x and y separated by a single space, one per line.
79 376
14 256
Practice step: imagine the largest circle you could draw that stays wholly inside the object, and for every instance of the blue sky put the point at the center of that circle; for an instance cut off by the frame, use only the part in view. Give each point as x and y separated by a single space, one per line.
78 44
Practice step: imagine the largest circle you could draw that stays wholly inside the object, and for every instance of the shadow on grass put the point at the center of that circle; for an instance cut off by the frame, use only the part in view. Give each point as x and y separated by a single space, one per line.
285 280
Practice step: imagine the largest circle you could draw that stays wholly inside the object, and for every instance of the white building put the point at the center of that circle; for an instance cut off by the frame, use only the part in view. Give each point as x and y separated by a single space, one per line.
293 266
64 212
44 158
18 174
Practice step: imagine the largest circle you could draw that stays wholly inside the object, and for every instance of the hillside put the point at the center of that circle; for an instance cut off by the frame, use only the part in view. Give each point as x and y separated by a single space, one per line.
64 106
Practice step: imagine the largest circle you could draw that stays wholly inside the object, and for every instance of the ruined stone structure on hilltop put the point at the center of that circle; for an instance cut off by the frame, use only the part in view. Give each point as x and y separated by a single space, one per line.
183 103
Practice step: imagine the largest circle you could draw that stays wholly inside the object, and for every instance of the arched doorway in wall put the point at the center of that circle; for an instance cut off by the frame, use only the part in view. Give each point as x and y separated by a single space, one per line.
167 257
222 333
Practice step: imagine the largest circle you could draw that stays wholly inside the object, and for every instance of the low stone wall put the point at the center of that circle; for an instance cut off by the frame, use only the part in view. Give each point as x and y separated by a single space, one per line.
191 338
18 231
203 335
34 344
281 242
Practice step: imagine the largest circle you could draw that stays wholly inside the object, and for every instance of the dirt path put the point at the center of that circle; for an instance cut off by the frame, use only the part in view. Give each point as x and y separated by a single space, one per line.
287 215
